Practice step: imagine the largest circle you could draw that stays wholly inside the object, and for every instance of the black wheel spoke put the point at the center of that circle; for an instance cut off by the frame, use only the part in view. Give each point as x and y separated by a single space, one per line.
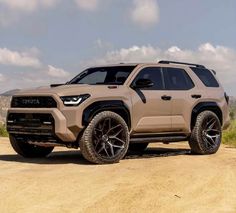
118 139
116 134
211 133
211 125
96 144
102 148
103 126
209 138
120 147
106 152
211 120
96 136
112 149
98 130
209 144
113 128
109 124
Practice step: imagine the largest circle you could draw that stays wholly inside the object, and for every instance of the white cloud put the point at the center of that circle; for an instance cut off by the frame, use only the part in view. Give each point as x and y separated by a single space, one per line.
89 5
26 5
220 58
145 13
11 10
22 59
57 72
101 44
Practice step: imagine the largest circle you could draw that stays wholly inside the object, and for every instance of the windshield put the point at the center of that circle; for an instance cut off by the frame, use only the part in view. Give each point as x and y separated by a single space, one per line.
103 76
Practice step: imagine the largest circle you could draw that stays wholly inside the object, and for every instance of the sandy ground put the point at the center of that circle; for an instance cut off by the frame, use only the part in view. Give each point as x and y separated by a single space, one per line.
166 178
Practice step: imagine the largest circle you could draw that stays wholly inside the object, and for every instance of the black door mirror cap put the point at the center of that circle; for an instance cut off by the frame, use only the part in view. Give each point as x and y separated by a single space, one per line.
143 83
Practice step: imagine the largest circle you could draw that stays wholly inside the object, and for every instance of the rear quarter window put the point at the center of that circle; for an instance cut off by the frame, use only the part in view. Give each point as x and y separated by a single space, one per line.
177 79
206 76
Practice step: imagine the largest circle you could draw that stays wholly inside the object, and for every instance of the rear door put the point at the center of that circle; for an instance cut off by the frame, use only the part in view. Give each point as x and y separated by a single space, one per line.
184 96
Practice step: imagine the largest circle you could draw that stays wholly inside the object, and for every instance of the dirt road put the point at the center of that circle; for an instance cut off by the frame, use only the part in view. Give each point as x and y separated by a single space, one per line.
165 179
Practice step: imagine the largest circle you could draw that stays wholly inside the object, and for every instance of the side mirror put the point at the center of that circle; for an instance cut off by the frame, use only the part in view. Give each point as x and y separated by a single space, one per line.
143 83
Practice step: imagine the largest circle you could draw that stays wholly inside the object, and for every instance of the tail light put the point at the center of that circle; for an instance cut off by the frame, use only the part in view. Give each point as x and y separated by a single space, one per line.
226 98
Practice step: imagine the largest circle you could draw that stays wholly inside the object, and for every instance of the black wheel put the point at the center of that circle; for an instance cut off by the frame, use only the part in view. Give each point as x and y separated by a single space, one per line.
106 139
206 134
138 147
28 150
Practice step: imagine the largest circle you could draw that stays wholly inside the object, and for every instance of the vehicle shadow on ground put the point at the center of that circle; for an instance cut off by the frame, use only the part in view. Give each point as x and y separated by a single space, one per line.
75 157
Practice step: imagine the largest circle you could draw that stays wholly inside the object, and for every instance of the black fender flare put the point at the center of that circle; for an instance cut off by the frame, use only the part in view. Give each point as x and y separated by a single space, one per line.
203 106
116 106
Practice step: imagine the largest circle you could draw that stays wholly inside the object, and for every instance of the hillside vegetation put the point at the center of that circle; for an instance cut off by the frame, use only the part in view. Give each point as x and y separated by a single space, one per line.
229 135
3 131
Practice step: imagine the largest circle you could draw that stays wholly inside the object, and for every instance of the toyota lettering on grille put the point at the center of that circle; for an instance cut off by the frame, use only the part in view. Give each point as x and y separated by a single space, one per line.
31 101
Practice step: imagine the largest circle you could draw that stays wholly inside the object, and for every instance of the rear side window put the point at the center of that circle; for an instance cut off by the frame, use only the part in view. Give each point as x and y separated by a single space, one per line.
206 77
177 79
154 74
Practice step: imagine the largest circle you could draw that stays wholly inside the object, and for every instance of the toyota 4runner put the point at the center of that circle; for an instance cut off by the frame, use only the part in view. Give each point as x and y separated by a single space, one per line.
107 110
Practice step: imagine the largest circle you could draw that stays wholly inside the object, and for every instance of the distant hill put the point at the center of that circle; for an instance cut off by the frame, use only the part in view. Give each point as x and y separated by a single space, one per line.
10 93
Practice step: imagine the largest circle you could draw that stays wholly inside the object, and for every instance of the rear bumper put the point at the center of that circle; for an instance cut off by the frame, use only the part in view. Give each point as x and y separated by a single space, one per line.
58 126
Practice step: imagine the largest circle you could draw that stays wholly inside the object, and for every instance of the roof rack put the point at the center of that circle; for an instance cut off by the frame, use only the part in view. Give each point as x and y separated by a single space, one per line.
182 63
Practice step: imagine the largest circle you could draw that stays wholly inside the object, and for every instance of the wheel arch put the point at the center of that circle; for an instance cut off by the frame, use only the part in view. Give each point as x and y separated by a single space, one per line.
206 106
116 106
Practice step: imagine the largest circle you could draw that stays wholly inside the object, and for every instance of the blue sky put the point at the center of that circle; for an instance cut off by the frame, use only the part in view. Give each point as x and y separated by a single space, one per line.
45 41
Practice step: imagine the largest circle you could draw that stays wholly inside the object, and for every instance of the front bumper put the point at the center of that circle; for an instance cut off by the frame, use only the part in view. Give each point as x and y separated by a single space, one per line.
58 126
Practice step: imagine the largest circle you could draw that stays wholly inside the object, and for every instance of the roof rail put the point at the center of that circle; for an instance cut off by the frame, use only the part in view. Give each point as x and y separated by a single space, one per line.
181 63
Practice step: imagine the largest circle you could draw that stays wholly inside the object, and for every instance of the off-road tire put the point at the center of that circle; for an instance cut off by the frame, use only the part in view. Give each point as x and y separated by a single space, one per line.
28 150
87 141
197 141
138 147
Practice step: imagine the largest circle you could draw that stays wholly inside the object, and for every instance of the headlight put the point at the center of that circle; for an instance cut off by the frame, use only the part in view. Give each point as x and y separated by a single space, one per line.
74 100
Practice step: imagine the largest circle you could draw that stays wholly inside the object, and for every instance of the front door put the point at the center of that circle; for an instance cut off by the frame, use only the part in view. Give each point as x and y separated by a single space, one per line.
151 106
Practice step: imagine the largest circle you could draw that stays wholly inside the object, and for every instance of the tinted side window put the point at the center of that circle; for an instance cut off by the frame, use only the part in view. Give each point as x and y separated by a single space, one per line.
206 77
177 79
154 74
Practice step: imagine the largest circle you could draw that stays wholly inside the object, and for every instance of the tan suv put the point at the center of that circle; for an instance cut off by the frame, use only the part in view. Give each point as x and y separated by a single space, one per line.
107 110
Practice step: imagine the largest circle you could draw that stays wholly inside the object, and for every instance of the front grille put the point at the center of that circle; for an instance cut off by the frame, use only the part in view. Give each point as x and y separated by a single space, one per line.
39 124
33 102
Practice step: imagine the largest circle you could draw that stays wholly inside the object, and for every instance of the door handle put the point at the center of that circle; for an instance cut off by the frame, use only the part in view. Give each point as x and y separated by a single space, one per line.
196 96
166 98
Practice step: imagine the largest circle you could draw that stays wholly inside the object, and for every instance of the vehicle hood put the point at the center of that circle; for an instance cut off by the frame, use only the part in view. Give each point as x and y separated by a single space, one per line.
68 90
